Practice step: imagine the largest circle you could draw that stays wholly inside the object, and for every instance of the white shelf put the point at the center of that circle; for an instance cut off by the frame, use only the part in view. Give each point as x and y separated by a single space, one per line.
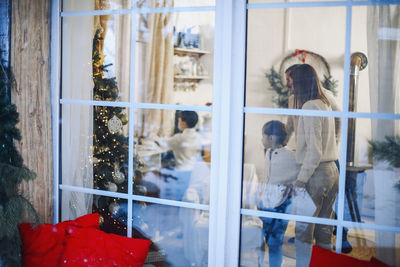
186 51
186 77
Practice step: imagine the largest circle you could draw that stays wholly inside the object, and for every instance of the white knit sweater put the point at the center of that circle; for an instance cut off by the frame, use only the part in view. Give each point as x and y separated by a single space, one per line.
315 140
280 166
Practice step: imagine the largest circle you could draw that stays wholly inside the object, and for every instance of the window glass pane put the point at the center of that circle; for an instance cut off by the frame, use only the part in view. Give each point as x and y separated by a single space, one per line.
88 5
95 147
274 1
279 162
366 243
267 241
372 177
279 38
173 154
175 58
112 219
96 58
375 66
177 3
179 235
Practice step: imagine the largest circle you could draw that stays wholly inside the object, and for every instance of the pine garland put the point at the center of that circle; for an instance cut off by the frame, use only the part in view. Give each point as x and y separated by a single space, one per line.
277 85
388 150
14 208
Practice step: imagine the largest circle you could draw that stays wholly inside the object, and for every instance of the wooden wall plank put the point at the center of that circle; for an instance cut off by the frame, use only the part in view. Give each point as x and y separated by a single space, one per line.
30 59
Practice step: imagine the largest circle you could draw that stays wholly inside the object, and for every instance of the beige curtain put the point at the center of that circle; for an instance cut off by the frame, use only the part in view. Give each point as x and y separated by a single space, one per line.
160 76
383 24
77 120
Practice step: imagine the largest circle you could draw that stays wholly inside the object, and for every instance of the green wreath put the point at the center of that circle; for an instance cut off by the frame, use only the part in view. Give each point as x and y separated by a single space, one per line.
278 85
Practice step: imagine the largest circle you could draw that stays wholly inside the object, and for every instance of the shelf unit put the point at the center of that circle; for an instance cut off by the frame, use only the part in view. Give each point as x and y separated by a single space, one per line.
192 52
187 77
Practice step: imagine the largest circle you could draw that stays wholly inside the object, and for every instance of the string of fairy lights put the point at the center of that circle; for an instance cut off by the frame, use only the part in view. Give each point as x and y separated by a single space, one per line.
110 146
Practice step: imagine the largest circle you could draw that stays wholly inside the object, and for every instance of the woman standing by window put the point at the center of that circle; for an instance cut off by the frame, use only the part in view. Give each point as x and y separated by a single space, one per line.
316 152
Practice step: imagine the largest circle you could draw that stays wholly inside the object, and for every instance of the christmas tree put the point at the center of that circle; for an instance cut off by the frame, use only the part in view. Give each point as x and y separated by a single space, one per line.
14 208
110 146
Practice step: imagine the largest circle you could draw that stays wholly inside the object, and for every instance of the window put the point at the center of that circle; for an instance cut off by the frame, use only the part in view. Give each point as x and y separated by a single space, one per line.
130 70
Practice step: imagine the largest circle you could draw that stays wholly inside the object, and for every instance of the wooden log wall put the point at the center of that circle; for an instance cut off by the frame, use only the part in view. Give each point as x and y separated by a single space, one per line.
30 59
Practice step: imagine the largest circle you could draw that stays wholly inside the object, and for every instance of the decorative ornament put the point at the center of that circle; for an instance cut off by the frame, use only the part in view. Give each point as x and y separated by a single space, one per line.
114 208
299 57
118 177
95 160
114 125
111 187
101 220
124 119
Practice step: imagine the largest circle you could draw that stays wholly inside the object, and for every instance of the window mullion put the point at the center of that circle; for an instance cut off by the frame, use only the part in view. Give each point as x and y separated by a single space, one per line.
55 55
345 120
227 137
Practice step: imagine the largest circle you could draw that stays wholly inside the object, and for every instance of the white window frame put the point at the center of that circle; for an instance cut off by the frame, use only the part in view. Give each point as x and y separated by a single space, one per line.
228 112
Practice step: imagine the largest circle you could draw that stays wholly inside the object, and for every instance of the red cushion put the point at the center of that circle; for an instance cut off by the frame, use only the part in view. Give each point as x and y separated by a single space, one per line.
327 258
79 243
44 245
92 247
89 220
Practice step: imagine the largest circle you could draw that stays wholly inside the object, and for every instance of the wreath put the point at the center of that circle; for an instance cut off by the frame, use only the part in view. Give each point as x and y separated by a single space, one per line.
278 84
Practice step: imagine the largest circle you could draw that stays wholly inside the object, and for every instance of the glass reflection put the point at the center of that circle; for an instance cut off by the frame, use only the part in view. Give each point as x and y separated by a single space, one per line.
273 246
78 5
268 1
96 58
267 241
179 235
372 193
279 160
112 220
289 44
173 154
378 81
176 50
373 245
95 147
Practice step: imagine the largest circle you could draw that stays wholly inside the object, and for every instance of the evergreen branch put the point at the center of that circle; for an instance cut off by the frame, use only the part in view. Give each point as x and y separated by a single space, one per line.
388 150
330 84
277 85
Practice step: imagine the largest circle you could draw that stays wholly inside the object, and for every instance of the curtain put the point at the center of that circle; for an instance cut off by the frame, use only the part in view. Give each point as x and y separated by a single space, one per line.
77 120
160 76
383 26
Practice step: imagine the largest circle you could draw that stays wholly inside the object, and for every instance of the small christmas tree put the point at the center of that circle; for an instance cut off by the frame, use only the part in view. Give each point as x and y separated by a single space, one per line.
110 146
14 208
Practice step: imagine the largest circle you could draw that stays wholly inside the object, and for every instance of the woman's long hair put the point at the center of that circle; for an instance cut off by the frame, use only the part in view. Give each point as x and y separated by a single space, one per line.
306 85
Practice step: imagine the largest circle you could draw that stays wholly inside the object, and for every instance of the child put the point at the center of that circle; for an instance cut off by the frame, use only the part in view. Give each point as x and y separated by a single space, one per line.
274 194
186 145
186 149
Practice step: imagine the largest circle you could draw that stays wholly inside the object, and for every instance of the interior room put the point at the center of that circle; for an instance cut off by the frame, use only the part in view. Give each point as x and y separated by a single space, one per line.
159 117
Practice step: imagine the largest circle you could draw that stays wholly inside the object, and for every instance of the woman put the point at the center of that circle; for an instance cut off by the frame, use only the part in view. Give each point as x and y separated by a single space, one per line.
316 152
